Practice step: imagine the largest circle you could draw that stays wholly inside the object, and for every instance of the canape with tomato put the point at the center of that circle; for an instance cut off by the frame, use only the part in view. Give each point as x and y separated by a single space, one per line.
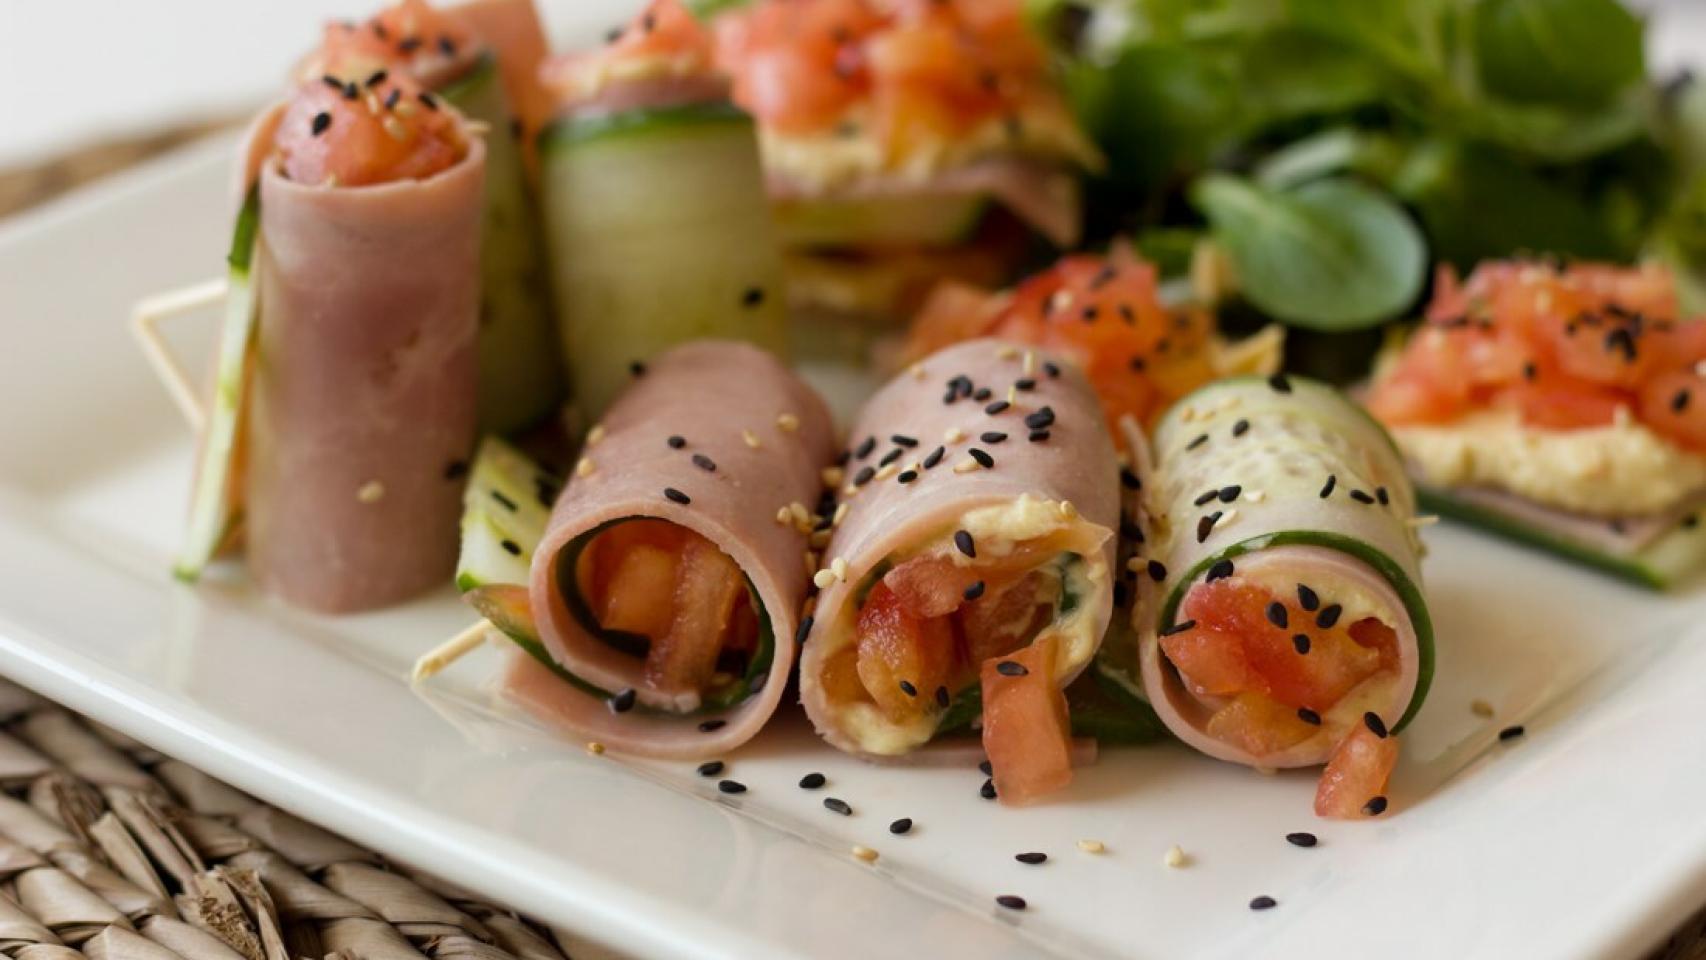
903 140
967 580
653 200
1280 617
1561 405
521 380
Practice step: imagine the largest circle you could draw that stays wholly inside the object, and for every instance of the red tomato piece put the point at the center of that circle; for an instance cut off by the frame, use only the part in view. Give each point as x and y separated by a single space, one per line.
895 647
1027 733
1258 725
706 588
1357 773
1674 404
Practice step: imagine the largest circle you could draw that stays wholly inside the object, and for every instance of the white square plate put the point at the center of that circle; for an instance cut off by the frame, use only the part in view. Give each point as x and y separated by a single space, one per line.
1583 839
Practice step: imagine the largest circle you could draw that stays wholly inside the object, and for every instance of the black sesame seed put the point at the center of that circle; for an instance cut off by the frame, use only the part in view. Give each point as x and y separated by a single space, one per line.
864 475
1201 439
935 457
1229 494
511 547
1033 858
637 369
447 46
982 457
751 297
1089 314
812 781
710 768
409 45
1157 571
455 469
1051 368
907 688
804 630
1279 382
1025 384
1511 733
351 91
677 442
1309 716
1300 643
1301 839
901 826
621 702
391 98
1530 371
1240 428
1180 627
1011 902
1329 616
1011 668
731 786
376 78
834 805
987 768
1122 594
1308 599
965 544
974 591
992 436
1327 491
1130 480
1679 402
677 496
1361 497
1263 903
1375 806
865 447
907 476
1138 364
1220 570
504 501
982 394
332 82
427 100
1205 525
1037 436
1206 497
1129 530
1375 725
1691 521
704 463
1277 615
891 457
987 791
1040 418
321 121
1381 495
942 697
712 726
998 407
903 440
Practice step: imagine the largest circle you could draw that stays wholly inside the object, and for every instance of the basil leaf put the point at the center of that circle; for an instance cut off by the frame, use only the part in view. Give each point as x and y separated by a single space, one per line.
1329 255
1159 111
1569 52
1287 73
1556 133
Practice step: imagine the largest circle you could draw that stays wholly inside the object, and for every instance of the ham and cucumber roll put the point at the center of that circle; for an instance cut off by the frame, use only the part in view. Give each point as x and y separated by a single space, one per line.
1283 623
353 393
521 380
903 142
967 580
1561 406
654 205
667 584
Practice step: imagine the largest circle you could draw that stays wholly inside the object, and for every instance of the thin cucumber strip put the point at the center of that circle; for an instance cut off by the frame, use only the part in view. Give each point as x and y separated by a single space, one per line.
505 508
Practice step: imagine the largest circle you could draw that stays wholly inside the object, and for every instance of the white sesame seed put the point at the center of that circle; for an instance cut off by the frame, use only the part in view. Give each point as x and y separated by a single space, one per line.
1012 394
917 371
370 492
594 435
1175 857
953 435
788 422
750 438
833 477
595 748
1092 846
1029 365
840 513
809 559
966 466
838 567
584 467
1006 352
1067 509
819 539
373 104
1137 564
1423 520
864 853
1256 496
783 516
798 511
395 128
885 472
823 578
1481 708
1226 518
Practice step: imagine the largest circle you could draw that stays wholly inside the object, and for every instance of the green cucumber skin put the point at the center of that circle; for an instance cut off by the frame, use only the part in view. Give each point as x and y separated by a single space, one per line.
482 560
659 232
1658 567
208 528
521 379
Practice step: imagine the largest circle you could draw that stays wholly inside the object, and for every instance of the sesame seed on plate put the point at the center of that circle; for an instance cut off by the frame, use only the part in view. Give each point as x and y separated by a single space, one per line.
1092 846
1263 903
837 805
710 768
1301 839
861 852
1011 902
1511 733
1031 858
901 826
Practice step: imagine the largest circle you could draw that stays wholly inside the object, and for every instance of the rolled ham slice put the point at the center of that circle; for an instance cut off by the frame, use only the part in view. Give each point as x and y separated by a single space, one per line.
745 475
1040 464
363 381
1278 510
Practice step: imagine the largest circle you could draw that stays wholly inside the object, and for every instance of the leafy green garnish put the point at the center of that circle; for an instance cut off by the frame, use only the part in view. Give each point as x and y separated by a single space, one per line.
1574 52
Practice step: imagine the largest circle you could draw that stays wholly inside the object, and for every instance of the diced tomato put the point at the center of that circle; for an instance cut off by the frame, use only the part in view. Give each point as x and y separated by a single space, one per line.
1027 734
954 311
1211 662
709 583
930 585
1259 725
395 36
664 28
898 646
790 90
1408 398
840 677
1558 407
1379 637
1358 772
336 137
643 573
664 33
1010 612
1674 404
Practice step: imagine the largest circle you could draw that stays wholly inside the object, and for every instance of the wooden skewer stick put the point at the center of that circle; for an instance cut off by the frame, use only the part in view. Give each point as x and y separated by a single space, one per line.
449 652
145 325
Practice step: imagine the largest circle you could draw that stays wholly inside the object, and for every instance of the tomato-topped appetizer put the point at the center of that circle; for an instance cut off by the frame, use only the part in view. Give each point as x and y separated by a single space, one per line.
1106 315
1280 617
904 140
358 133
1561 405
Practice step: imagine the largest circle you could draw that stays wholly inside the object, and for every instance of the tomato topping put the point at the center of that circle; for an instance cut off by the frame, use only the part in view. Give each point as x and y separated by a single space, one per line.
642 574
1212 663
664 35
897 646
1674 403
1565 346
1259 725
706 589
365 133
1356 774
407 32
1026 731
1103 313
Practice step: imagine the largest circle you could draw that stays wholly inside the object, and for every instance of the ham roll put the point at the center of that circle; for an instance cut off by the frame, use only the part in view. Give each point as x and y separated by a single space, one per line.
670 578
362 396
968 579
1286 625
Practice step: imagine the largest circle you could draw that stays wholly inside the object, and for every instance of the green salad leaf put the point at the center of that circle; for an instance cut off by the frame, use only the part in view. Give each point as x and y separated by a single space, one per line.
1571 52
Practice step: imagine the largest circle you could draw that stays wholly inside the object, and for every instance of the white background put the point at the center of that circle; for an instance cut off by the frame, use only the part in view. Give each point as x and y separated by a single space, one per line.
74 71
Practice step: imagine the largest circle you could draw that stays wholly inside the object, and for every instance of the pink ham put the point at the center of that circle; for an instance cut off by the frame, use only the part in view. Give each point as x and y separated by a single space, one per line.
364 381
711 394
1075 463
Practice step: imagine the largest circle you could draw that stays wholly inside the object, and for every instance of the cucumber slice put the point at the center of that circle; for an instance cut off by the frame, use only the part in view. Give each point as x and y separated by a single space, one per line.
504 511
1658 566
659 232
521 380
884 221
214 510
